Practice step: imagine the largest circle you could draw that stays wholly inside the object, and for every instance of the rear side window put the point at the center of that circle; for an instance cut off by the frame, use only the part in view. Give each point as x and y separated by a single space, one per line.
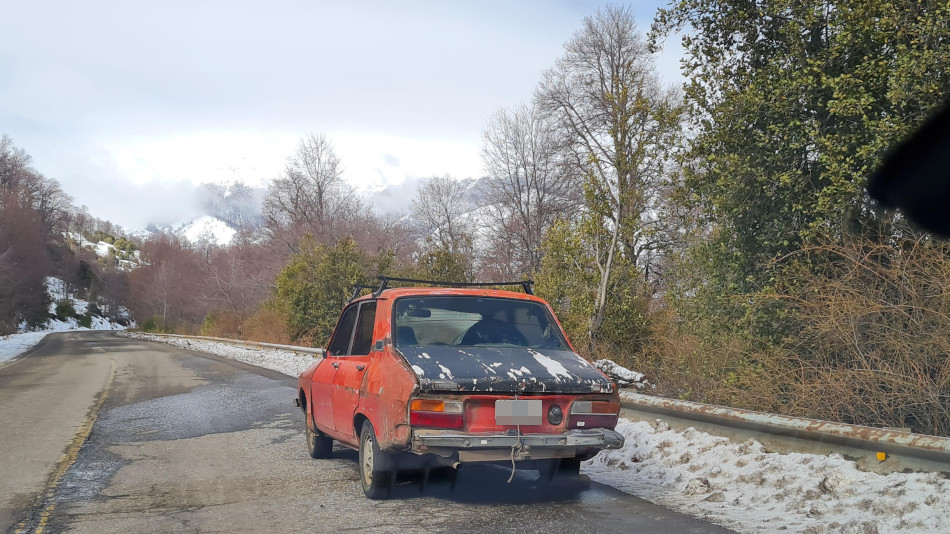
340 342
363 341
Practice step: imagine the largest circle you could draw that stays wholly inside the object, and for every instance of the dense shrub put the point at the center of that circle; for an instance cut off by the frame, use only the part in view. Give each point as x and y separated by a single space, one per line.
153 324
314 286
569 281
64 310
222 324
267 325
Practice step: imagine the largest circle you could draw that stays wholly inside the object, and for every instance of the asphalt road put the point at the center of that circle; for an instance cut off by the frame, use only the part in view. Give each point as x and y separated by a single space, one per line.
106 434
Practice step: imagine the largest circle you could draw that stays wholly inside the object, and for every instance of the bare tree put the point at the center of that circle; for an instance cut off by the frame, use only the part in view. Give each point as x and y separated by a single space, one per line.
237 278
605 91
52 204
24 264
169 283
311 197
14 163
442 218
529 185
32 190
82 221
389 232
439 213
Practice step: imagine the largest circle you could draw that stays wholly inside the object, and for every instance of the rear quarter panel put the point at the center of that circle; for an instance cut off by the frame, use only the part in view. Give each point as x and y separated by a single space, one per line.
303 384
387 387
303 381
384 395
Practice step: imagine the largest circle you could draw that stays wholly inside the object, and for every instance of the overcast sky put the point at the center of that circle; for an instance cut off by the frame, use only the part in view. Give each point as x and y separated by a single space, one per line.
131 104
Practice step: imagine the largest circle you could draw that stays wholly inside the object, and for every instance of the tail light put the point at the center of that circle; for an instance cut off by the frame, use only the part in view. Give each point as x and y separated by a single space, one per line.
435 413
594 414
595 408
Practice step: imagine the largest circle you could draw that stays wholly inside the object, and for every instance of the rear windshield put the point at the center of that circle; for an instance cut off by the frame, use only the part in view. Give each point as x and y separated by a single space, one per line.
475 321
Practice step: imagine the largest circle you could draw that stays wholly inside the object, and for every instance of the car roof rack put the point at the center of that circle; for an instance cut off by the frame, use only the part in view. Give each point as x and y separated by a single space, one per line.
356 291
385 280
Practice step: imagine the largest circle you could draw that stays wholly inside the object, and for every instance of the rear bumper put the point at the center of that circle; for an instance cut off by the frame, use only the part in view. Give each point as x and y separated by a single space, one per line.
481 447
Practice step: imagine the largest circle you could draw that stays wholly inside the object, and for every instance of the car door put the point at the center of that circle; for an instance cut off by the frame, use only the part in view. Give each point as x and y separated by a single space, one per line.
321 387
352 368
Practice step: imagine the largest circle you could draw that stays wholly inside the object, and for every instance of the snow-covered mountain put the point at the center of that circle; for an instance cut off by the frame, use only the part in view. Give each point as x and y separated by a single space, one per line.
219 211
207 229
227 209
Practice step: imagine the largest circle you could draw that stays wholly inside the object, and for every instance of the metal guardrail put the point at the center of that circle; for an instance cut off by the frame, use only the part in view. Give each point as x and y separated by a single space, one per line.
880 441
876 440
316 352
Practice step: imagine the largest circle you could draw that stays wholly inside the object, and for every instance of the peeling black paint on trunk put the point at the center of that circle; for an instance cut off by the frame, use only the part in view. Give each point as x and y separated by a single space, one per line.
502 369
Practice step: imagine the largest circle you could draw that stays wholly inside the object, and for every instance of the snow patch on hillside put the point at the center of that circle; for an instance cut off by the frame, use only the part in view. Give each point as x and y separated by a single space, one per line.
56 290
105 250
14 345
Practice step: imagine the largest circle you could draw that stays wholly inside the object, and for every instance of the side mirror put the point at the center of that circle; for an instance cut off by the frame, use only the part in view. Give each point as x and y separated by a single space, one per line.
321 353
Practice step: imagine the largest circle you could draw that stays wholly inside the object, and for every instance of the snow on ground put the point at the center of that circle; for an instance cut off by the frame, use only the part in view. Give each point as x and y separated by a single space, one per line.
57 293
102 250
16 344
13 345
737 485
621 375
743 487
276 360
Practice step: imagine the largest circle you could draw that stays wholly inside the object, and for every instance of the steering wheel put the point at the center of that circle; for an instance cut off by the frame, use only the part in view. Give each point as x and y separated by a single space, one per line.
493 332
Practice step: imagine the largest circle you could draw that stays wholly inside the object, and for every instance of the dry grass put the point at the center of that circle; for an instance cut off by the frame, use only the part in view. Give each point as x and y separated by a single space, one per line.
875 347
871 344
267 326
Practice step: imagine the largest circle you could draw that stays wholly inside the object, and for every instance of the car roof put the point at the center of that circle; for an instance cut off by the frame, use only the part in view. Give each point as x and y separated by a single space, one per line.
397 292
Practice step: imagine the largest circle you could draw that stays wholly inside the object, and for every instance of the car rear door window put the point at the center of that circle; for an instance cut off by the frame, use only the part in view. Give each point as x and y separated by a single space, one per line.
340 342
363 340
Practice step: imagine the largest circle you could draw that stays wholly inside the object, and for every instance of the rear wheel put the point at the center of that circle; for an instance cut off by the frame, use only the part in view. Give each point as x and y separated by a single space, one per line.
377 471
318 445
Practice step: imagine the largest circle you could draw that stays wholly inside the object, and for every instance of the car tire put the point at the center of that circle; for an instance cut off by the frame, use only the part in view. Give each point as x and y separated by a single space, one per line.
377 471
318 445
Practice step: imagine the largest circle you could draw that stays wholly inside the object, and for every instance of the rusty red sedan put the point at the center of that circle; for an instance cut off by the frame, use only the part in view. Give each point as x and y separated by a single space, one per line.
426 377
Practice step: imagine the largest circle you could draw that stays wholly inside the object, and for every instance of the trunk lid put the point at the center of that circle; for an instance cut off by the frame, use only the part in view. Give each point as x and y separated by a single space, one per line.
503 369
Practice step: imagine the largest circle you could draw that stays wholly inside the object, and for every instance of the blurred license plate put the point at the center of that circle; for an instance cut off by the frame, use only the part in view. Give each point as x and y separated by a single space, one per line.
518 412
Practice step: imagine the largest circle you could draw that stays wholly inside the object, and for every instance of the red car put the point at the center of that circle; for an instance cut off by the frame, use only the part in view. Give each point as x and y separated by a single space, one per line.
418 378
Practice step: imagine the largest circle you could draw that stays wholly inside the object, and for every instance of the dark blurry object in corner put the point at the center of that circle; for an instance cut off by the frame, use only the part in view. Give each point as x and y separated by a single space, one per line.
915 176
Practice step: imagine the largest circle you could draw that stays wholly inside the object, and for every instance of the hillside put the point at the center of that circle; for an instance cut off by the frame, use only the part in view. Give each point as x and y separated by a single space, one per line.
66 312
126 256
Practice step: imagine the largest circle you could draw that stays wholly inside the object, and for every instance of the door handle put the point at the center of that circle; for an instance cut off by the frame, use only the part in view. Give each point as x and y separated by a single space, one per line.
360 367
336 365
